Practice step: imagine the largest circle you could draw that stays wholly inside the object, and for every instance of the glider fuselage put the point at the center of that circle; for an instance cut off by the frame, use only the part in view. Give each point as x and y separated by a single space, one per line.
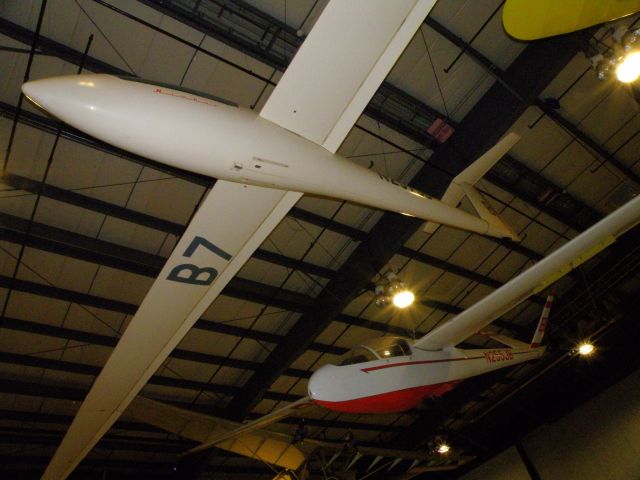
215 138
391 384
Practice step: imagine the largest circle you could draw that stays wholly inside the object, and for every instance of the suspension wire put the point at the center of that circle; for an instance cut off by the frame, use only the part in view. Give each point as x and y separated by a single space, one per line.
106 38
435 74
14 126
468 44
38 197
195 52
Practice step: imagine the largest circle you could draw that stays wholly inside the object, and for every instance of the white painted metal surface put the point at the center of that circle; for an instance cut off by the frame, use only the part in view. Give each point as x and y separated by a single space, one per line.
472 175
366 385
181 129
328 84
209 137
229 226
269 447
533 280
602 110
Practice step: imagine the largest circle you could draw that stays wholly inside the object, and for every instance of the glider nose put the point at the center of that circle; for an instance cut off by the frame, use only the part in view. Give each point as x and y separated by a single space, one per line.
49 93
35 91
65 97
320 382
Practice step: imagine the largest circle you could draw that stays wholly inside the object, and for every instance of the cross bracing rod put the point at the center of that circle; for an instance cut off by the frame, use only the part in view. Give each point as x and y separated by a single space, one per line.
496 112
389 103
416 133
62 242
499 75
47 390
91 370
108 341
129 309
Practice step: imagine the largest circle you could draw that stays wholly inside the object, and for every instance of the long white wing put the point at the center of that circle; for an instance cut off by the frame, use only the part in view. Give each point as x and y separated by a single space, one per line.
259 423
249 440
270 447
347 55
341 64
533 280
229 226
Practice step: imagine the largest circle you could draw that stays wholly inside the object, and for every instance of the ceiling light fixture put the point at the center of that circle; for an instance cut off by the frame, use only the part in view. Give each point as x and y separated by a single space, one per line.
391 290
629 69
585 348
623 57
443 448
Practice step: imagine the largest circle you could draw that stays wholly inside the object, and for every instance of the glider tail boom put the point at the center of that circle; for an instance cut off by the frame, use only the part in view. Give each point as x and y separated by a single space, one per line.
463 184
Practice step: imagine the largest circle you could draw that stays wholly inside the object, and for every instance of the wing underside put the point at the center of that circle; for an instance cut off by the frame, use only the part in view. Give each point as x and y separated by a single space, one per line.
230 224
320 97
251 439
532 281
340 65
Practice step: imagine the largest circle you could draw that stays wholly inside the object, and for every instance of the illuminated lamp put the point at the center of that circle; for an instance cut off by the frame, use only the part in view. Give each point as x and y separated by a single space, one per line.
403 299
628 70
391 290
585 349
443 448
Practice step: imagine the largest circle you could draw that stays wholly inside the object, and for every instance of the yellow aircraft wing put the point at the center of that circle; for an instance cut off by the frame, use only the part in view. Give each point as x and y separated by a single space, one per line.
536 19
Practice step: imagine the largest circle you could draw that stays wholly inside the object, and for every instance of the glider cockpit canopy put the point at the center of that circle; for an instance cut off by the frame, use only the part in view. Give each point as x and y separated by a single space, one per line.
377 349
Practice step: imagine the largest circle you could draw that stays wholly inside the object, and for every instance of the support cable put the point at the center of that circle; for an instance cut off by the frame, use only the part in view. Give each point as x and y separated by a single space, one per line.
27 71
39 192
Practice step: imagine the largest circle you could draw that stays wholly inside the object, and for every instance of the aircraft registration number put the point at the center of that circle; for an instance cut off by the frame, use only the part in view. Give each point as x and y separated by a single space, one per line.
498 356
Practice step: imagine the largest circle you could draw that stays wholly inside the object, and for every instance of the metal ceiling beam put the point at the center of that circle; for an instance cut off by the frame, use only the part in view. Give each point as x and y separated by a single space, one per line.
57 419
47 390
391 106
41 436
62 242
120 425
108 341
127 214
603 275
91 370
129 309
415 130
496 111
51 47
238 288
499 75
520 181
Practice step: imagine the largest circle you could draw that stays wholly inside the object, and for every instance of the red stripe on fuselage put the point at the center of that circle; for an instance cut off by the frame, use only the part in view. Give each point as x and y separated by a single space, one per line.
390 402
423 362
417 362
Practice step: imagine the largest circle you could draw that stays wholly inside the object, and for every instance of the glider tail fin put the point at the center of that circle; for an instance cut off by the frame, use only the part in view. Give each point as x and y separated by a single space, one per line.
542 323
463 184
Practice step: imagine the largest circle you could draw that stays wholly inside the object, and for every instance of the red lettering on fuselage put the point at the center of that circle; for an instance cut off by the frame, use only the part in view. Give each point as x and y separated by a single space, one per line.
498 356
